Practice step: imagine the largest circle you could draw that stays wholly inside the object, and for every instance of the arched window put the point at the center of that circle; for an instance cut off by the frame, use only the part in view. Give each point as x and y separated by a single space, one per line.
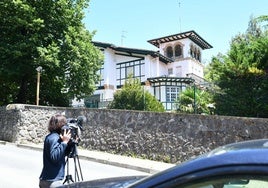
169 52
192 50
178 50
195 53
198 55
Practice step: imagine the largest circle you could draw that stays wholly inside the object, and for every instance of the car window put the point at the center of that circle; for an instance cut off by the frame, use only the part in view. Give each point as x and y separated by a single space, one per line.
231 183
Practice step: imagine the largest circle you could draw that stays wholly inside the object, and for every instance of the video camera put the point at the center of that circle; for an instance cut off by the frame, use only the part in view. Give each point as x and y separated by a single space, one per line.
75 125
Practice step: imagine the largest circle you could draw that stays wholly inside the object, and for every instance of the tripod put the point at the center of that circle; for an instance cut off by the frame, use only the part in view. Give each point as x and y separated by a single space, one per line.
77 168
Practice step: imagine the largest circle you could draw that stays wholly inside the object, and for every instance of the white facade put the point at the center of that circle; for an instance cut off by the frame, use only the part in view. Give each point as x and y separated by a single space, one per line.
164 73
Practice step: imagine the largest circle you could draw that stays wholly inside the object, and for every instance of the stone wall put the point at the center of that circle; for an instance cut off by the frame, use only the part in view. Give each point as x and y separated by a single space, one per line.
168 137
9 121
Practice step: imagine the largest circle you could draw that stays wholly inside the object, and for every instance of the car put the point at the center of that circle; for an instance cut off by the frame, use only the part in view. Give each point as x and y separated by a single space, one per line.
242 164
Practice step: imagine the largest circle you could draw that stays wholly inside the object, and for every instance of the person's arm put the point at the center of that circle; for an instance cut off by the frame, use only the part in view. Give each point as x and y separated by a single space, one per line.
58 147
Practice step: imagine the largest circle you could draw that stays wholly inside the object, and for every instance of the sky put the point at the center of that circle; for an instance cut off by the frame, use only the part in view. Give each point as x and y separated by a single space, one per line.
131 23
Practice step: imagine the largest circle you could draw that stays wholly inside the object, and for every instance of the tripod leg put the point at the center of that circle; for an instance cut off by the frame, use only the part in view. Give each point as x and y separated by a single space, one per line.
74 155
75 171
77 162
80 168
68 177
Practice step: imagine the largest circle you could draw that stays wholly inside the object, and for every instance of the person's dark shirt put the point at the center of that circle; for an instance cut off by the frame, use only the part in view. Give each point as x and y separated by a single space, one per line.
53 158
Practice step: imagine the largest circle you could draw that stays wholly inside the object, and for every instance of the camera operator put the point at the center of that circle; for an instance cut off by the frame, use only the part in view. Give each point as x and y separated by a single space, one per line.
54 153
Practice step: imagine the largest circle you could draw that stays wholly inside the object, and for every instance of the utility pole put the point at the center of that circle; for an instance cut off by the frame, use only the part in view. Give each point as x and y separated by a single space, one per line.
39 69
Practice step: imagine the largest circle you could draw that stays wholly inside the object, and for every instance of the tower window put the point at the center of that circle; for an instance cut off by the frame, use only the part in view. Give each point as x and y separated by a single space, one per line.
169 52
178 51
170 71
192 50
195 52
198 55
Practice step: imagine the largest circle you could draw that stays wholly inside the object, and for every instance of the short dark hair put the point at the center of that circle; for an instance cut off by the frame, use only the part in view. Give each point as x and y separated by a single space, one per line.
56 122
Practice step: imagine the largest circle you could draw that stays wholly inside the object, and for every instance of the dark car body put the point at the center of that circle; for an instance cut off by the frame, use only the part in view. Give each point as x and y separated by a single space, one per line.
123 181
243 164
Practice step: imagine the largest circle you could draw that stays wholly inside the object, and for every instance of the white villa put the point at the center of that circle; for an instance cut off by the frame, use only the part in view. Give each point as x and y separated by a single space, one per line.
164 73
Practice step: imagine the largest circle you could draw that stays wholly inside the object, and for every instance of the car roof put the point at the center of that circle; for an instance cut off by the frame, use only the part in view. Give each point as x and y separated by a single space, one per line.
244 145
253 152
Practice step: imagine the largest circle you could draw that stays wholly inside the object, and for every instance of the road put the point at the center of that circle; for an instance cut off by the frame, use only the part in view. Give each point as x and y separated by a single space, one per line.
20 167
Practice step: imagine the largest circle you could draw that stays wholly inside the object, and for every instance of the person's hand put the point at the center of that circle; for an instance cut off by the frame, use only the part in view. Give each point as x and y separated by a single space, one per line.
65 136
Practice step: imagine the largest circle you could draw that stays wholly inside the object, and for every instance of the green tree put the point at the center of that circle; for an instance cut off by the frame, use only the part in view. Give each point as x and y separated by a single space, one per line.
195 100
132 96
50 34
261 19
241 75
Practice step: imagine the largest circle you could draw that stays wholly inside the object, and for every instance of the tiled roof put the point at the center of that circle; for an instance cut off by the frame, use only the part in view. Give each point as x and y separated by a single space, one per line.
133 51
189 34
